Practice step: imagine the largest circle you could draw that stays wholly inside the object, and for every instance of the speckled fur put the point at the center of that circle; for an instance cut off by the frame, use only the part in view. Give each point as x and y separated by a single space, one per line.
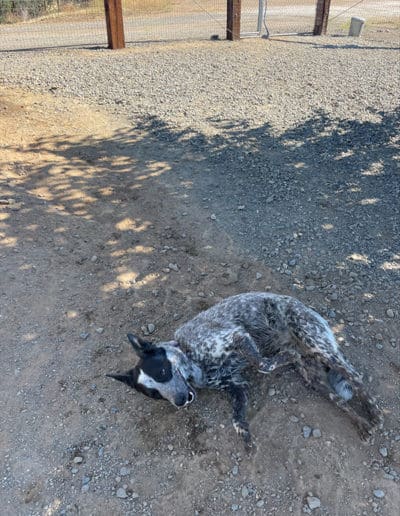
264 331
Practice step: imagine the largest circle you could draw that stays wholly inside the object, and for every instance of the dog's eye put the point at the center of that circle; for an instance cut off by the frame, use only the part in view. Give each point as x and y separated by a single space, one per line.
163 372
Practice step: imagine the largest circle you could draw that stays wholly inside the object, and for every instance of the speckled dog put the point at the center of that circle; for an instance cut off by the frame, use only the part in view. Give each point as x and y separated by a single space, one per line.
222 347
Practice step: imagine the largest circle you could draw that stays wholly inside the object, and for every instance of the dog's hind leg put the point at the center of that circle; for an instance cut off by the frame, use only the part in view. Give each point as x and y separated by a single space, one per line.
342 376
246 346
281 359
318 379
239 405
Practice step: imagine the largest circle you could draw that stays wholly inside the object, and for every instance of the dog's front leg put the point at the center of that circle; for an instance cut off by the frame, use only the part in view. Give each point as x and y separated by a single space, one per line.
239 404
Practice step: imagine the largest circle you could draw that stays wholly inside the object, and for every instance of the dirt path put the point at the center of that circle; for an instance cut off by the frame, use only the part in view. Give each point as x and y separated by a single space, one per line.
90 237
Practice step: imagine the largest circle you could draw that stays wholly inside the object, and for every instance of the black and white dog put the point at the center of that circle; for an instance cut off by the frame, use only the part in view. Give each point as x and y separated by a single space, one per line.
257 331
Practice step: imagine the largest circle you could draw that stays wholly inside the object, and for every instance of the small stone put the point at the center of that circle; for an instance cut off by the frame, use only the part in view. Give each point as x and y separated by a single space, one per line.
121 493
213 217
173 267
151 328
271 392
134 495
260 503
100 330
294 419
235 507
313 502
170 447
383 451
85 488
235 470
85 480
94 258
306 432
245 492
259 276
316 433
78 460
390 313
74 470
378 493
124 471
84 335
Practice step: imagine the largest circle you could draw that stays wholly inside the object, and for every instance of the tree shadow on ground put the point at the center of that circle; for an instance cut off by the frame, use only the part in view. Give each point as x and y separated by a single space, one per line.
328 188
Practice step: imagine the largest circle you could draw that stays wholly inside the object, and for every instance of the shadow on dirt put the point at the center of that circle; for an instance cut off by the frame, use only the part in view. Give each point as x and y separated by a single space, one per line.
331 180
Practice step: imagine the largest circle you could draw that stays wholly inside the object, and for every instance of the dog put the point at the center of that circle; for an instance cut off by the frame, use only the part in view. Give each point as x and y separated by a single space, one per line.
224 346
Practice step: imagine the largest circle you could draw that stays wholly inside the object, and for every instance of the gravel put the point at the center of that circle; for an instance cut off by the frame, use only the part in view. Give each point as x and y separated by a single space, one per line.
330 155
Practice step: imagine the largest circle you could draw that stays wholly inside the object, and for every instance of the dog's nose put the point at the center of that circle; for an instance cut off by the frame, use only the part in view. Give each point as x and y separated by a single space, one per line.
181 400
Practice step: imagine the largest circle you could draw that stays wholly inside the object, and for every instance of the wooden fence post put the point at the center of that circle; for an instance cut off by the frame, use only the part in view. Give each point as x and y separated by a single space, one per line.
234 12
115 24
321 17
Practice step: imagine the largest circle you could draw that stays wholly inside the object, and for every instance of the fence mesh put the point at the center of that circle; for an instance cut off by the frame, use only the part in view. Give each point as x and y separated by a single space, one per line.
28 24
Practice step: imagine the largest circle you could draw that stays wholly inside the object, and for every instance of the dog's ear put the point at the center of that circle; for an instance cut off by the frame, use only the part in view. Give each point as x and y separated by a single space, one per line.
124 378
140 346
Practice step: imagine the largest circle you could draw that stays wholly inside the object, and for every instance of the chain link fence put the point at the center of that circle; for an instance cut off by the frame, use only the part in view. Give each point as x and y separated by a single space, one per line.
30 24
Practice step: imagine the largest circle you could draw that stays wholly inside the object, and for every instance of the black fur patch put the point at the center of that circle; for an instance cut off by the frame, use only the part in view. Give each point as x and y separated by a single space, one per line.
156 365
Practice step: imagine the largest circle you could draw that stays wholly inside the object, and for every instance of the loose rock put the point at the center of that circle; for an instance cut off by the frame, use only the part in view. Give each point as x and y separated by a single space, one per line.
121 493
313 502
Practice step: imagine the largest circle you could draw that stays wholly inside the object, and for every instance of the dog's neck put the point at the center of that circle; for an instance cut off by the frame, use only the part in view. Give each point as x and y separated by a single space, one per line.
196 376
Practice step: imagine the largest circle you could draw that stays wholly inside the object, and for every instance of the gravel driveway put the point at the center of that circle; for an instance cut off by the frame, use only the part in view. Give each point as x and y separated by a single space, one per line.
283 153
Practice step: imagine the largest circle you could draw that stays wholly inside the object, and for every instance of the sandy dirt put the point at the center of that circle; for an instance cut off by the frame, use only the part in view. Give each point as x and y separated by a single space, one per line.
89 242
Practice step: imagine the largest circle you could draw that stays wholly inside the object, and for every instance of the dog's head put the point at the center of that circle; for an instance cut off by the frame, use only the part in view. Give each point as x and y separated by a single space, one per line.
161 373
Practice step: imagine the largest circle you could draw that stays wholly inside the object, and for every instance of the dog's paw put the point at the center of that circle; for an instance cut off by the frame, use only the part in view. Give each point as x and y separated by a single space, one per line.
266 366
242 429
365 431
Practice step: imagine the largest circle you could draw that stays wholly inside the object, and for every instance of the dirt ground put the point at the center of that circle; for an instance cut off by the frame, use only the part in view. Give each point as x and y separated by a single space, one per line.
94 245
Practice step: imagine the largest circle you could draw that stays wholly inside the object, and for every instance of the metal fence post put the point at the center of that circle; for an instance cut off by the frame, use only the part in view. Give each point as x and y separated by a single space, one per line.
234 8
115 24
321 17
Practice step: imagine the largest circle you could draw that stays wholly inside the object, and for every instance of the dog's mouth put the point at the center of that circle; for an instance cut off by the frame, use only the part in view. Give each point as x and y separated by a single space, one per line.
191 397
